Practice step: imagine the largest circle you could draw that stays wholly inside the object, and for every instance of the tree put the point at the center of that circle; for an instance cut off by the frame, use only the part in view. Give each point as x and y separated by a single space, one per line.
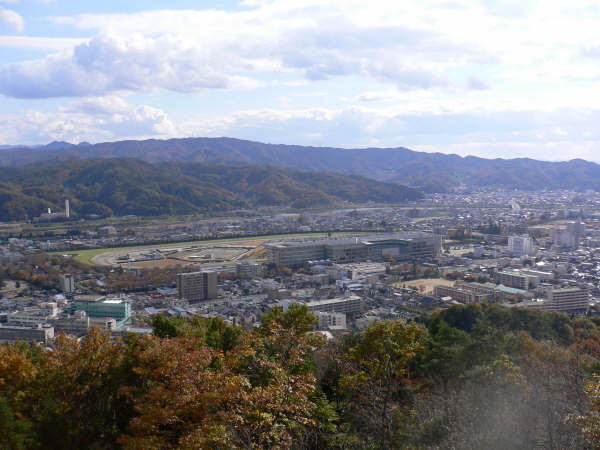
381 372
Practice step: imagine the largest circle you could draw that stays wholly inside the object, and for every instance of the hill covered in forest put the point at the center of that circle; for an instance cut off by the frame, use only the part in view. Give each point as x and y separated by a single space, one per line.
435 172
122 186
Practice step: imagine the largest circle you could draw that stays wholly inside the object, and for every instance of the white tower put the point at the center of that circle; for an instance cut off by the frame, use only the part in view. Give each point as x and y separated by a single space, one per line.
67 208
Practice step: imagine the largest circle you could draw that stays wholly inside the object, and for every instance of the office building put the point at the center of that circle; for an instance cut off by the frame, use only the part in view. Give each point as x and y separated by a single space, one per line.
197 286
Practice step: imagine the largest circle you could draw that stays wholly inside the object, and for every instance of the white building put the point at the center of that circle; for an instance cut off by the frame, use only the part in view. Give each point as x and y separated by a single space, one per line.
520 245
570 236
331 321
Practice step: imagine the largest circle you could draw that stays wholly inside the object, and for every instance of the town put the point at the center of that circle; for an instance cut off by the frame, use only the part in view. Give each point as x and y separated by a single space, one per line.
351 267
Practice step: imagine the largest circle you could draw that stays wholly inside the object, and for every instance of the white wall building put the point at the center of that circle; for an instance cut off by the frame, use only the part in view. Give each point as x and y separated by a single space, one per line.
520 245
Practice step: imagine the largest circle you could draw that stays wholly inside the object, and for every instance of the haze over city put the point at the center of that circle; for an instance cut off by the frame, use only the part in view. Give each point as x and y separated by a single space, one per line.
493 79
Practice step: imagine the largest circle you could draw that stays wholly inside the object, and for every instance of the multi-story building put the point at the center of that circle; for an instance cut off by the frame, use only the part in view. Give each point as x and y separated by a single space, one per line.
197 286
77 324
520 245
38 333
31 317
66 282
459 294
570 236
348 305
330 320
249 269
407 246
574 300
117 308
516 279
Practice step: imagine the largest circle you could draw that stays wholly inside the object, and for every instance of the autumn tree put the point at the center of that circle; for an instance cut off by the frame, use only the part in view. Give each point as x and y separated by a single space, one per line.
381 376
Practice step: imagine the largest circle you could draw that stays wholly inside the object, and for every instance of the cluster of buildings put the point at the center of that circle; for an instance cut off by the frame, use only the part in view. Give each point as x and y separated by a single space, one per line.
537 250
40 323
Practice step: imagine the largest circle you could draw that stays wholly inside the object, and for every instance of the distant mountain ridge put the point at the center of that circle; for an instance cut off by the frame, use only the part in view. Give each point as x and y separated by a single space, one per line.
123 186
434 172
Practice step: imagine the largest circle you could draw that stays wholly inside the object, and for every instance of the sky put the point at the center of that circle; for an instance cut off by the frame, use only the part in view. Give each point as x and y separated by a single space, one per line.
504 78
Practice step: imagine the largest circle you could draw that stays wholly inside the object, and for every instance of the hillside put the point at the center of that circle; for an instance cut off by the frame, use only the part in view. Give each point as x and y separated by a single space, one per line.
129 186
434 172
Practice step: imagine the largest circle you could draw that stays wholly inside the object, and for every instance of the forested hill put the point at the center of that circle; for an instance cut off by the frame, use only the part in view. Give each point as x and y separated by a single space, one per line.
128 186
429 171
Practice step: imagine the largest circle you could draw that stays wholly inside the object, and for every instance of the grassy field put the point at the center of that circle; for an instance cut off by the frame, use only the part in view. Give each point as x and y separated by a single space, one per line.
85 256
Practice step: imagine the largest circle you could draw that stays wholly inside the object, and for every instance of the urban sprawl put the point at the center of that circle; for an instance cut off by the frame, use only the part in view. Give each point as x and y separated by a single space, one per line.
351 267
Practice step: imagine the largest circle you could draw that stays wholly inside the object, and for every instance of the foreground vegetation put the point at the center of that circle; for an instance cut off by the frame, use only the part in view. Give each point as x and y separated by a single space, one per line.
468 377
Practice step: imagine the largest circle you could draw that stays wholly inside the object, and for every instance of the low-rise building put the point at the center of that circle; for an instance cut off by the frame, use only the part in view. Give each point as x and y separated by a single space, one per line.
39 333
348 305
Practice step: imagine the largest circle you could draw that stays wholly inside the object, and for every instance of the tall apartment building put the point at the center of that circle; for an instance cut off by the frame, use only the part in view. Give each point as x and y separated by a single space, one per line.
66 282
197 286
575 300
520 245
570 236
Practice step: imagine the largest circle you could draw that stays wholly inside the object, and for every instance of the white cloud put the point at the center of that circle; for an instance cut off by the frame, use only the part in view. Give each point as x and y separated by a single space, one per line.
39 43
11 20
186 51
89 119
108 63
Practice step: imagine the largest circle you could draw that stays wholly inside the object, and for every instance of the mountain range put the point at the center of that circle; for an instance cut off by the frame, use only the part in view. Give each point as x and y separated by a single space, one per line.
430 172
124 186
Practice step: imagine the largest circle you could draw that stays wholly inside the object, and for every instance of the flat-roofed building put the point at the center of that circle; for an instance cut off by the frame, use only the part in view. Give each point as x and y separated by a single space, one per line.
575 300
36 334
78 324
517 279
520 245
331 320
406 246
459 294
249 269
117 308
31 317
349 305
66 282
197 286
